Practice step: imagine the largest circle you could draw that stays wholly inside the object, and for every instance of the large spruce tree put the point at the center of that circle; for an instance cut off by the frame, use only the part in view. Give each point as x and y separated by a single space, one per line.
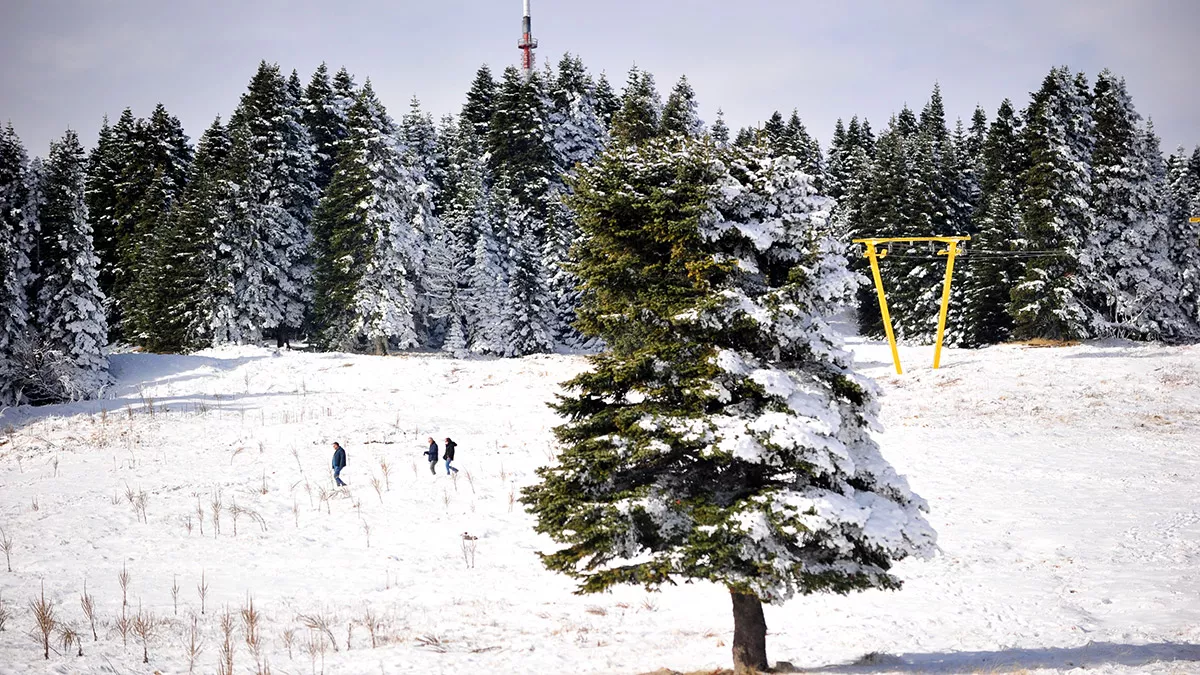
1055 216
365 297
73 330
994 272
17 224
722 436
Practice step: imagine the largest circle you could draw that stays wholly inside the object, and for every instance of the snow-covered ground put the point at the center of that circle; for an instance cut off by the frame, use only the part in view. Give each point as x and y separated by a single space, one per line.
1064 484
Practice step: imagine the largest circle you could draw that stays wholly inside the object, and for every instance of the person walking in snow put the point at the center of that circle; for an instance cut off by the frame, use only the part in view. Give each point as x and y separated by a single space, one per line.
449 456
432 455
339 463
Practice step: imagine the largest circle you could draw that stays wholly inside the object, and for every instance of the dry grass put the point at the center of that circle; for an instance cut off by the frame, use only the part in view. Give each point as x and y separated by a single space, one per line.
225 661
44 620
6 545
320 623
68 637
145 627
194 645
88 604
123 579
387 474
202 590
5 613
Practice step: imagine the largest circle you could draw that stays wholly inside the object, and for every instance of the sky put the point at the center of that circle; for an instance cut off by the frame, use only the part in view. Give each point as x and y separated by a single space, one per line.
67 63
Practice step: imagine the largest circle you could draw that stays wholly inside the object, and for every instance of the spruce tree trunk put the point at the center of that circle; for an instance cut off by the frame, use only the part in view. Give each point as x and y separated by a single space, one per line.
749 634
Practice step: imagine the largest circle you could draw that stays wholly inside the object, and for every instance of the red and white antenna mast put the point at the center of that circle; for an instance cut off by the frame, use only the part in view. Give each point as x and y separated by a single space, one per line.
528 43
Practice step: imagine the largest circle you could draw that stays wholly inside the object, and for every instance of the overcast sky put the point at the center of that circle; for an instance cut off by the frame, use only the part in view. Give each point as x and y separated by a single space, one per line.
68 62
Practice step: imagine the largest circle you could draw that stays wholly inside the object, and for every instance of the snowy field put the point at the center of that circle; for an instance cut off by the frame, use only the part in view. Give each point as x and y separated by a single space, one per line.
1064 485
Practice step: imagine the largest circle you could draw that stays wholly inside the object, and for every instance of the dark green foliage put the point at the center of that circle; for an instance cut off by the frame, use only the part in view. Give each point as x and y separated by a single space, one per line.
1054 215
481 101
607 103
517 138
640 115
997 231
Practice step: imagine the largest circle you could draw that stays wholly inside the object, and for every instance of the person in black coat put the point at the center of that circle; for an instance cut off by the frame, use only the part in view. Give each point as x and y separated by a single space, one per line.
339 463
432 455
449 456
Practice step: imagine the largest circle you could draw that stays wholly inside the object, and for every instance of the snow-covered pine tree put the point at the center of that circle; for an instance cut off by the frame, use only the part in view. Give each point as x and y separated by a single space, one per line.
1183 203
996 232
481 101
681 114
1055 216
186 252
724 426
70 360
106 164
720 130
487 278
607 103
364 292
325 118
16 224
1133 283
528 314
152 158
423 168
275 179
640 116
897 203
519 138
578 132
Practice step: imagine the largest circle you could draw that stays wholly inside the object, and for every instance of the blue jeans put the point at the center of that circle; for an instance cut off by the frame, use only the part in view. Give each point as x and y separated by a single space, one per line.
450 468
337 470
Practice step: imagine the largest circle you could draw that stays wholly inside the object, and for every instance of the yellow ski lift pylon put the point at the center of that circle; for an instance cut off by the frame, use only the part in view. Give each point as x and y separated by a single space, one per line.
874 254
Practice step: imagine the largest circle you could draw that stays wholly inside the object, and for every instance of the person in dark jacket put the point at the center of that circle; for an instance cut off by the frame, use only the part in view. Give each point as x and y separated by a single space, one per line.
449 456
432 455
339 463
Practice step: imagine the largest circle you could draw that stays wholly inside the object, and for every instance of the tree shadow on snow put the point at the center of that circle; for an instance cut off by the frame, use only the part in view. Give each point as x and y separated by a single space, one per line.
170 368
1093 654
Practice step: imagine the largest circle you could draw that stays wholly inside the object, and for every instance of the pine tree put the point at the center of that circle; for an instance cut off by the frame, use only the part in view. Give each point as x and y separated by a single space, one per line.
487 278
519 139
157 159
691 449
640 115
73 328
681 114
16 224
324 116
1055 192
365 298
528 310
481 101
996 234
274 171
112 153
607 103
1183 203
1126 256
720 130
578 132
186 255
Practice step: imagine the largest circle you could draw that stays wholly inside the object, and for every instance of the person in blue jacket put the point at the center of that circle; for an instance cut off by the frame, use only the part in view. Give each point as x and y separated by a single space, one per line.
432 455
449 456
339 463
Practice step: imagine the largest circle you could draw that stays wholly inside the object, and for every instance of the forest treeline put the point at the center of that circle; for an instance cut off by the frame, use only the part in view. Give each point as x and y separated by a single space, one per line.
312 213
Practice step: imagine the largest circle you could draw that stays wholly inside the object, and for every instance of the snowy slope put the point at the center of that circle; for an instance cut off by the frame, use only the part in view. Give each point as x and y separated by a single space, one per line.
1063 484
